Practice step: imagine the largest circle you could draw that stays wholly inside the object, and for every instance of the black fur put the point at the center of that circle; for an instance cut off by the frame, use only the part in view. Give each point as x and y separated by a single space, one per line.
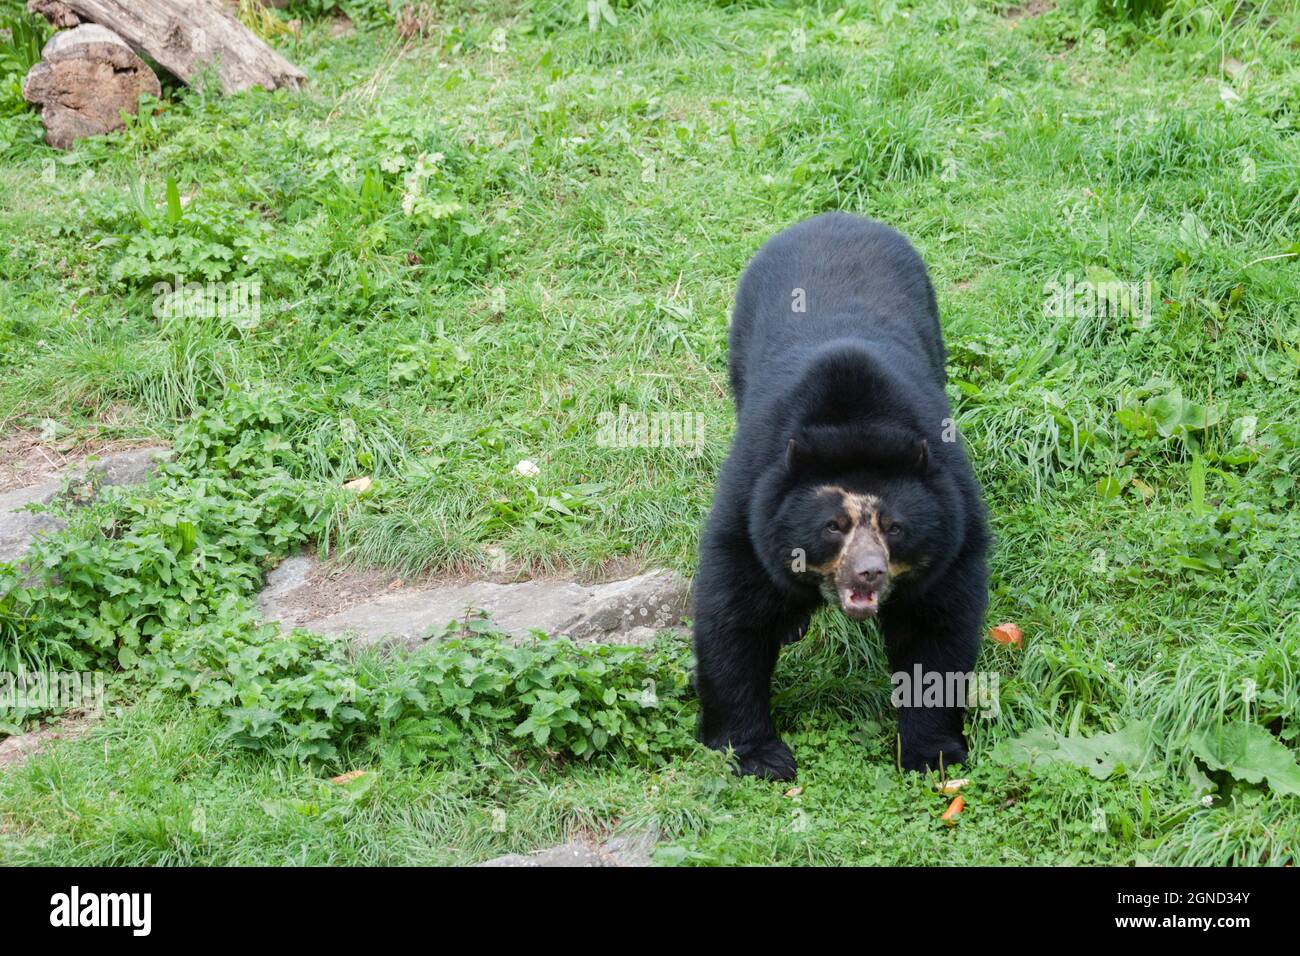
849 392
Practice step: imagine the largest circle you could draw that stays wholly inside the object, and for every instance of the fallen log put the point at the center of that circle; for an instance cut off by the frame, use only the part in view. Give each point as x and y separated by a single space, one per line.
86 78
187 37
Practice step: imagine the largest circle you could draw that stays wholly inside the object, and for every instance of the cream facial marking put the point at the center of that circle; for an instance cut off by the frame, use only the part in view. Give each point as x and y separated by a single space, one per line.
860 573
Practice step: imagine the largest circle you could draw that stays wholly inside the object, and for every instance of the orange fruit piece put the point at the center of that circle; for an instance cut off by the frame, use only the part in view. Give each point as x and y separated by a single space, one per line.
1007 633
950 815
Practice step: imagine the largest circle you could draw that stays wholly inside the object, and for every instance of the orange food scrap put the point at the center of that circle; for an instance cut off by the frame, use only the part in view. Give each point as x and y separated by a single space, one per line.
1007 633
950 815
348 777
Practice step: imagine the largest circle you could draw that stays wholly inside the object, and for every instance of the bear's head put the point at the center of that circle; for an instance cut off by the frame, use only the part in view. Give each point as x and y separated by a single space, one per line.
856 511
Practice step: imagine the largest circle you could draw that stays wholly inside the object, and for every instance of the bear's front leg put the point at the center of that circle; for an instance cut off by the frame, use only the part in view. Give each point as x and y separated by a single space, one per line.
932 645
741 621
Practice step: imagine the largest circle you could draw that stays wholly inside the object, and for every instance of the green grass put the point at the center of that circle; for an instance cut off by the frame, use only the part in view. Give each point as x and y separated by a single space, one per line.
160 788
597 196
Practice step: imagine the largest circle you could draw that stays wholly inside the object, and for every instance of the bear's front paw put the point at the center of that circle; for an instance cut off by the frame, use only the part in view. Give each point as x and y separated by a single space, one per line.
768 760
923 756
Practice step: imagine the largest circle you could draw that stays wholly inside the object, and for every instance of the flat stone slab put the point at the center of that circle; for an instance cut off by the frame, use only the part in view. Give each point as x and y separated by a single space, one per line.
570 854
630 611
634 849
18 528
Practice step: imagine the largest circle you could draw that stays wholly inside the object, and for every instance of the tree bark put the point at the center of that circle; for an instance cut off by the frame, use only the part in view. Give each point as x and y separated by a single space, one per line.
188 36
55 11
87 77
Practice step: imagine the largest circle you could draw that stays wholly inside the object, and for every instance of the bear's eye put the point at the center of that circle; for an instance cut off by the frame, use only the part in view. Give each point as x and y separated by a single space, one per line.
836 525
894 529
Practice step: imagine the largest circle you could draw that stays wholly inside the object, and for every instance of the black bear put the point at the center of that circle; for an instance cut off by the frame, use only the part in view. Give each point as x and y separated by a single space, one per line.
845 483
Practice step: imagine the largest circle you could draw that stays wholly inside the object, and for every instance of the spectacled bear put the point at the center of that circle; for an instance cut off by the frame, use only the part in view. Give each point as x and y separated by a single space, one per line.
845 483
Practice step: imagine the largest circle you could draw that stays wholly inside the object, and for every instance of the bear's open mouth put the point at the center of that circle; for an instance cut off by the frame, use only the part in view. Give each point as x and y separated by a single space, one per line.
859 603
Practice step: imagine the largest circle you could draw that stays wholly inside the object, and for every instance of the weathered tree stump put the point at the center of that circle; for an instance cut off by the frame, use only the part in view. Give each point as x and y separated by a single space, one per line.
87 77
56 11
186 37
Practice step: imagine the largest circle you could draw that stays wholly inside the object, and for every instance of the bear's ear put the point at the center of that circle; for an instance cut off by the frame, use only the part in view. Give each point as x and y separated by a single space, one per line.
922 456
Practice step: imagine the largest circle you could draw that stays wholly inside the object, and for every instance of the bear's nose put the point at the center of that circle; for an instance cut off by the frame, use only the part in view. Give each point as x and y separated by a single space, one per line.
870 571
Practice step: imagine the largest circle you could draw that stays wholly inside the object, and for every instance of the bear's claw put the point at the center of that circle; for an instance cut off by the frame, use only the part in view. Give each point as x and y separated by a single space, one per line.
769 760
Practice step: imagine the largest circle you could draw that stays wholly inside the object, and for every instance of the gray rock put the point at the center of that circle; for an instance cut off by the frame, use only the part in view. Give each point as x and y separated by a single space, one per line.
651 601
289 575
130 467
632 849
19 528
570 854
628 611
409 618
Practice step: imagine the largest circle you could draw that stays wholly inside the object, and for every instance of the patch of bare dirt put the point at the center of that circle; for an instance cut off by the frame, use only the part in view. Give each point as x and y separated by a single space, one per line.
20 748
27 460
312 591
1027 11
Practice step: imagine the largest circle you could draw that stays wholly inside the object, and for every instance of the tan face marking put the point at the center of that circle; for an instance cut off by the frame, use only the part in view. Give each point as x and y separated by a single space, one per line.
845 576
863 512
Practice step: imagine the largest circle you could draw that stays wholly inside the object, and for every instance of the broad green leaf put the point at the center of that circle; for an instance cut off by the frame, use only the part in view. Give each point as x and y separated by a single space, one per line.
1250 753
1101 755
